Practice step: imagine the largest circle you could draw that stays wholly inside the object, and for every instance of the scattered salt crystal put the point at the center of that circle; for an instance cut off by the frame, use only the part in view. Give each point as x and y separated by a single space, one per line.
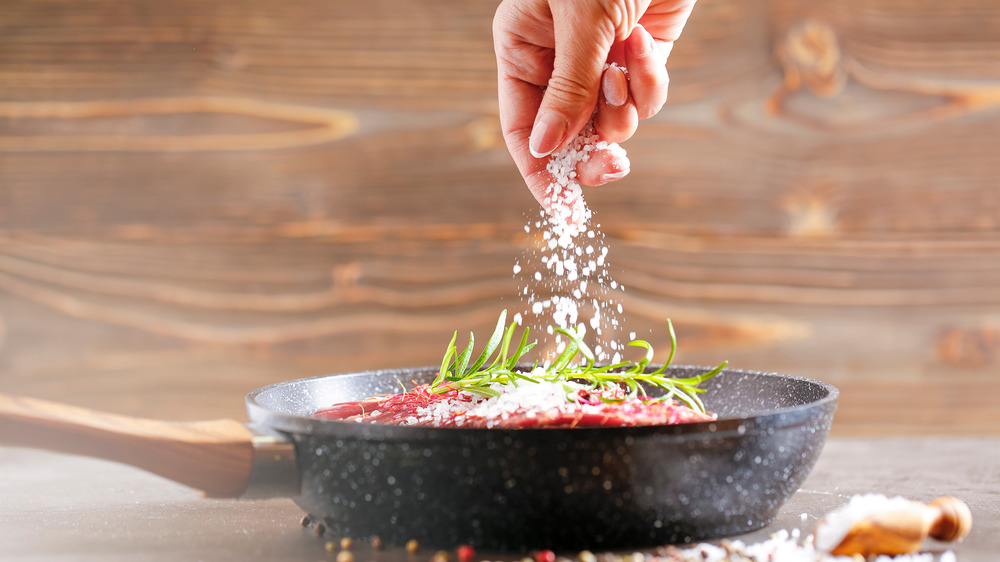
517 269
574 301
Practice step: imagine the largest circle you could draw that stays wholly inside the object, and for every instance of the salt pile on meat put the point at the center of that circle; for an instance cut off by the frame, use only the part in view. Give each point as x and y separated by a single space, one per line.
569 285
550 404
528 399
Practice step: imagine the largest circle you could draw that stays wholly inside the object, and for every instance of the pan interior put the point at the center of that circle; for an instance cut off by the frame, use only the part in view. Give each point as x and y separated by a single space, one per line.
734 394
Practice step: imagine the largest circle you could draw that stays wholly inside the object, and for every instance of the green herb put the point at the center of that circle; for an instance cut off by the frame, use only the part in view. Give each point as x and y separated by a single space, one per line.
498 364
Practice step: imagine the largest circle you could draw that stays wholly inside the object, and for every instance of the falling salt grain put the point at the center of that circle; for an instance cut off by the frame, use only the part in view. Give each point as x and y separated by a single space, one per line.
564 290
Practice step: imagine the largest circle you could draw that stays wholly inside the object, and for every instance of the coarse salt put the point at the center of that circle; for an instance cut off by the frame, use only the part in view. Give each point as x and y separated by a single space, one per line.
563 285
782 546
832 529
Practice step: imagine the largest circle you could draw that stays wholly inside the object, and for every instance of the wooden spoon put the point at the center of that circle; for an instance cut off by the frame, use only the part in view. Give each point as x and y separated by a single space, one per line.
902 531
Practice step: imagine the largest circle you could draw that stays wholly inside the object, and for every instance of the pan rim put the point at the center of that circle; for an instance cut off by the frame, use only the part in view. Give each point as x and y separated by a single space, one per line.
777 418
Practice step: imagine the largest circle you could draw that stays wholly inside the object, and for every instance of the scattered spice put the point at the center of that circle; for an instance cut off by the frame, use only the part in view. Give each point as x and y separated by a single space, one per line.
345 556
440 556
545 556
377 542
330 546
466 553
412 546
319 529
346 543
586 556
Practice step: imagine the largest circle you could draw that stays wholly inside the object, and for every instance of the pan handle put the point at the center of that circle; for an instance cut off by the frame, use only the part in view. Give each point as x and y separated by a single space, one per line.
222 458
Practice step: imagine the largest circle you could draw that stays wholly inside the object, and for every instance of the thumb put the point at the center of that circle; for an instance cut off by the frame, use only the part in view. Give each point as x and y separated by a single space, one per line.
583 39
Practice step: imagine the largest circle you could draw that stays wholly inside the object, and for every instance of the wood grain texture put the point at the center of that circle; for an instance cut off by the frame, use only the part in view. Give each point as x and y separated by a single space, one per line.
198 198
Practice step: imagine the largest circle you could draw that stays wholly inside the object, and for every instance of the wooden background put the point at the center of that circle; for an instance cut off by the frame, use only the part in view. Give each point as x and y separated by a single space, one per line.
201 197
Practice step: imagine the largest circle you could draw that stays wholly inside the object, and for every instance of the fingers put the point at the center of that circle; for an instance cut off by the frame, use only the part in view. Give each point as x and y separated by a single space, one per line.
581 47
603 166
647 65
616 118
519 101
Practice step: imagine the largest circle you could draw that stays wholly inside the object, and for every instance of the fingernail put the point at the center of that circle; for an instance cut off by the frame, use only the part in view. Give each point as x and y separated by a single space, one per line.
608 178
615 87
548 132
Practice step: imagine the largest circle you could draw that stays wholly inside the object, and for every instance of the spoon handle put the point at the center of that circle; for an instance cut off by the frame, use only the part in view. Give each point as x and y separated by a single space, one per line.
953 520
903 531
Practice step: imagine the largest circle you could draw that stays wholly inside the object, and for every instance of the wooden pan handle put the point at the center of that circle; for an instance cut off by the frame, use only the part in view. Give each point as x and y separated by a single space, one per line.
213 456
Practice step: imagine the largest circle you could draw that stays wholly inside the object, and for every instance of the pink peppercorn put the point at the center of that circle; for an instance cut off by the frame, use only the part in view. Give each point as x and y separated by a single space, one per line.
545 556
466 553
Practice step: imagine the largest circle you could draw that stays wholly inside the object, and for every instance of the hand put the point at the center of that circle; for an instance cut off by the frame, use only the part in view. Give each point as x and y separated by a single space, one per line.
565 45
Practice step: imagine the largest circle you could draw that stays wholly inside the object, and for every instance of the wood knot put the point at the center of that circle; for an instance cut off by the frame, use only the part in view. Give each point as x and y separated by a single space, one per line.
969 347
347 274
811 212
485 133
810 56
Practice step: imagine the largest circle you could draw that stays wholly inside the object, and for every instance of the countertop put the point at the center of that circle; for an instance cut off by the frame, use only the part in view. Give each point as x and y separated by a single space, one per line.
58 507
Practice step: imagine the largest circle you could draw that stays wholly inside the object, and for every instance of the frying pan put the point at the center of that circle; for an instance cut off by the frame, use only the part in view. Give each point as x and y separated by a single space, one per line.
496 489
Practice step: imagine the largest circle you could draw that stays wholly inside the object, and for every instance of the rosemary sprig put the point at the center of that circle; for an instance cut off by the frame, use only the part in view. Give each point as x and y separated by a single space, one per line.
498 364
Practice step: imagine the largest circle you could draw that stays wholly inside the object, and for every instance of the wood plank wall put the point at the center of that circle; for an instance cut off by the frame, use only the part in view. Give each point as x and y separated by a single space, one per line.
198 198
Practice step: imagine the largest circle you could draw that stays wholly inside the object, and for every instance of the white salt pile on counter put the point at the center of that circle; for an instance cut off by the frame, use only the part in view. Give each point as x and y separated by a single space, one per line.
834 527
783 546
564 276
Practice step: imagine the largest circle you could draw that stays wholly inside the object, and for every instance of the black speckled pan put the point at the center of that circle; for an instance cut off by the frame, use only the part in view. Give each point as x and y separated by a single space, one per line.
552 488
